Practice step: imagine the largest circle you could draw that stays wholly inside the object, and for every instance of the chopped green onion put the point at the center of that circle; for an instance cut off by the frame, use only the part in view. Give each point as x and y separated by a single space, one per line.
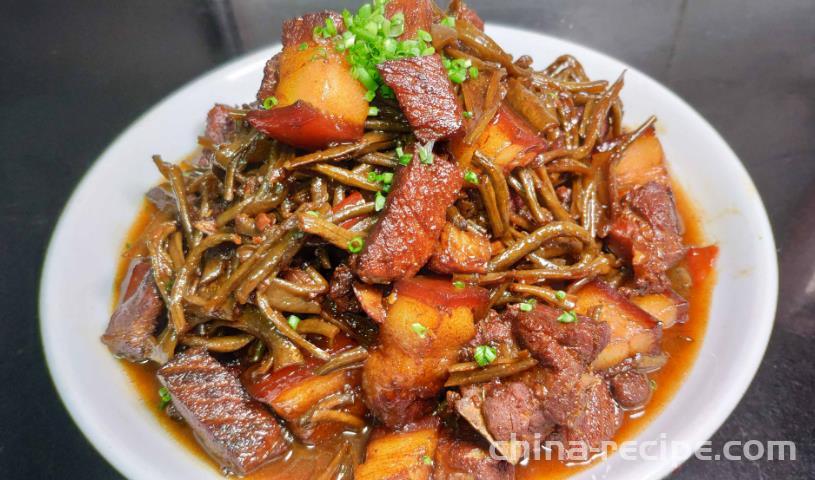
423 35
485 355
471 177
473 72
164 398
425 156
525 307
355 244
293 321
386 188
373 111
269 102
387 178
567 317
427 460
379 201
459 284
449 22
467 114
313 213
370 95
457 76
372 176
302 46
419 329
404 158
560 295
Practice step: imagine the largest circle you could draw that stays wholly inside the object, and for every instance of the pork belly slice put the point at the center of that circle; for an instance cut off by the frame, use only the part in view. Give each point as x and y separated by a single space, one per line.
646 230
428 321
418 15
632 329
319 102
131 328
239 433
410 225
458 459
460 251
400 455
425 94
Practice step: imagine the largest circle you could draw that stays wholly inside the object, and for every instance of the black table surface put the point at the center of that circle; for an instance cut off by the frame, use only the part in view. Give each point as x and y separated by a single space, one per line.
74 74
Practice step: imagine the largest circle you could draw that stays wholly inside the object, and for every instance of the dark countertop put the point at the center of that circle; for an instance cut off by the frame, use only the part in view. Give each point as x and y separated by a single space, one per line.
77 73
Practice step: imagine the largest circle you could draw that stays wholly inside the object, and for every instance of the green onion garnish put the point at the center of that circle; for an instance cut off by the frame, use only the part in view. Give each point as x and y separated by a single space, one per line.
355 244
379 201
485 355
567 317
269 102
471 177
293 321
419 329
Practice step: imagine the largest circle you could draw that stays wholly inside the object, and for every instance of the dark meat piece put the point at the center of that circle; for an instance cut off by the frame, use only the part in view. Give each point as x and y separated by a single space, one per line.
271 74
461 460
595 419
631 389
460 251
219 128
133 323
512 408
646 232
239 433
301 29
404 237
341 290
425 95
418 15
538 328
494 330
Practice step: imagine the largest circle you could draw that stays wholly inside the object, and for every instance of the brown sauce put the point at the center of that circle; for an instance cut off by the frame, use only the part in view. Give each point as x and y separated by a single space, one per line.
682 343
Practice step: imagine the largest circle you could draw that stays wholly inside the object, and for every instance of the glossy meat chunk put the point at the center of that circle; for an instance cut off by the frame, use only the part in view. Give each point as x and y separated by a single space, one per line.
407 231
633 330
668 307
508 140
425 94
419 339
645 229
460 251
303 125
630 389
462 460
494 330
540 327
301 29
319 102
235 430
295 393
418 15
642 162
400 455
512 408
131 328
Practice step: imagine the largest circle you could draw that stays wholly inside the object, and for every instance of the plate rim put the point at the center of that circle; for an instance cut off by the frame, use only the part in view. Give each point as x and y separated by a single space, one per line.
89 426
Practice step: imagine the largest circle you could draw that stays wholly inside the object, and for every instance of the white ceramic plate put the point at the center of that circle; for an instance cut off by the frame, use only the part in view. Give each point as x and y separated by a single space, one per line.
79 268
